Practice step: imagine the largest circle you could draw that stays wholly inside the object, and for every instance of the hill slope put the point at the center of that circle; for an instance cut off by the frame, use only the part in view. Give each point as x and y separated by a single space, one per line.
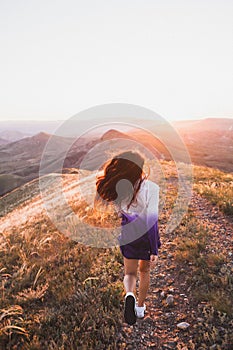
22 158
53 285
3 141
12 135
209 141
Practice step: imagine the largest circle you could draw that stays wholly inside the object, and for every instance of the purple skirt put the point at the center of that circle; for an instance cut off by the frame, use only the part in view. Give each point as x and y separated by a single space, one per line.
138 240
137 249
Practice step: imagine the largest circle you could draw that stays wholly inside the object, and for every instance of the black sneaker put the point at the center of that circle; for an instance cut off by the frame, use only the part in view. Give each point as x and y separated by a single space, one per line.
129 312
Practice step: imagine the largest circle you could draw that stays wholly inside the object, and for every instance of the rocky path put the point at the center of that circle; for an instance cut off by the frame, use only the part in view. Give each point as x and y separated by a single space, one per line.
169 301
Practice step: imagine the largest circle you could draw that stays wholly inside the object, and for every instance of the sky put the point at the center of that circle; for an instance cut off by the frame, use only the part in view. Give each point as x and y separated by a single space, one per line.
59 57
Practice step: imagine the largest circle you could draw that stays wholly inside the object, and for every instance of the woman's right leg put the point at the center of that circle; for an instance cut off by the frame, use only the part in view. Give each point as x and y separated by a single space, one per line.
130 267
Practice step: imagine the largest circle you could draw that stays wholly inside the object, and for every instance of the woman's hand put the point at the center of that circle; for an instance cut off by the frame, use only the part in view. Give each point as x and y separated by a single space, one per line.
153 260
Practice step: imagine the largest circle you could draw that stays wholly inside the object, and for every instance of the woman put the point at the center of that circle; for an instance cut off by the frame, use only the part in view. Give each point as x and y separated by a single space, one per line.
136 199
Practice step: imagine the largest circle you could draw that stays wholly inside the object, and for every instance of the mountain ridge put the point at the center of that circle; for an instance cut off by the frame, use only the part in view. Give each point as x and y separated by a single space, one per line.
209 147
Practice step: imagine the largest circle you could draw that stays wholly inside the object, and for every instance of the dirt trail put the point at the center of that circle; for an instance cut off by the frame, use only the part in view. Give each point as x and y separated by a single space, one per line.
158 330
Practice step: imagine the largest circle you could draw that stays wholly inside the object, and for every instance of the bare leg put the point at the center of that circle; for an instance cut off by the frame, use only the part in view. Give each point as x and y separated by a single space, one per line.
144 280
130 266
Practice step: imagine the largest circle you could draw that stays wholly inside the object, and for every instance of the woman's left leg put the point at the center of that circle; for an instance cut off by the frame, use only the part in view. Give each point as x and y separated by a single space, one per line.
144 280
130 277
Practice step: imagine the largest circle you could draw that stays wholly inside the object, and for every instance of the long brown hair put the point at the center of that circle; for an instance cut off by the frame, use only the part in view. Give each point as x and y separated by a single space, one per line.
122 178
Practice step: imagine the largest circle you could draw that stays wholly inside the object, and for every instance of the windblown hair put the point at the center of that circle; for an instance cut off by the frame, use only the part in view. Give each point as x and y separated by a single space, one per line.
122 178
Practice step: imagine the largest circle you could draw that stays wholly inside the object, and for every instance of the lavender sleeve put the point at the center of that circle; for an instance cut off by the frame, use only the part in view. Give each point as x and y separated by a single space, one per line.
152 220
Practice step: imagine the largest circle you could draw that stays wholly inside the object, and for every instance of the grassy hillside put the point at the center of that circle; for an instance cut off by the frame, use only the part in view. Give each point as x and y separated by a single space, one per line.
216 186
9 181
59 294
52 287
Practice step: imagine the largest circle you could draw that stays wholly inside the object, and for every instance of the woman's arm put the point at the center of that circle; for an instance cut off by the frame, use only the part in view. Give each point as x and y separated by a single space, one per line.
152 219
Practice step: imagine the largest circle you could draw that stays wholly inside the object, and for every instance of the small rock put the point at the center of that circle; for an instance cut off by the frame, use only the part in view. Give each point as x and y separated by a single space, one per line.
170 299
183 325
162 294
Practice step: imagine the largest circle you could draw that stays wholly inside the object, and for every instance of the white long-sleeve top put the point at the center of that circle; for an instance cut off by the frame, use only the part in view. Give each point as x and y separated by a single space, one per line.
145 211
147 200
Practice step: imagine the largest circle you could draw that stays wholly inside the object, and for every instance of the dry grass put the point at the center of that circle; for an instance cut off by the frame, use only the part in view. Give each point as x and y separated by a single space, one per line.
59 294
55 293
216 186
208 277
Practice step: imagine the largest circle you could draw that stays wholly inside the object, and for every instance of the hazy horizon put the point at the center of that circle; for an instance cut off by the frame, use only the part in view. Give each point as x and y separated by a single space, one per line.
62 120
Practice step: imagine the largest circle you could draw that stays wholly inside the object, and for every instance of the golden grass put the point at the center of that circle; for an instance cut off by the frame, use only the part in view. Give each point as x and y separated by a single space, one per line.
216 186
210 271
57 293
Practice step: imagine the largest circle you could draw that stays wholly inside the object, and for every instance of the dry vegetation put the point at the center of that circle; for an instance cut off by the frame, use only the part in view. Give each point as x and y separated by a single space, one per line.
216 186
59 294
56 293
203 254
206 271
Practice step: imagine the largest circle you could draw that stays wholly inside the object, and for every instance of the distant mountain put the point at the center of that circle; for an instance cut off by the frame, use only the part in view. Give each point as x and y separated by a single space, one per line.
209 142
208 124
96 151
113 134
13 135
29 127
20 160
3 141
142 138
